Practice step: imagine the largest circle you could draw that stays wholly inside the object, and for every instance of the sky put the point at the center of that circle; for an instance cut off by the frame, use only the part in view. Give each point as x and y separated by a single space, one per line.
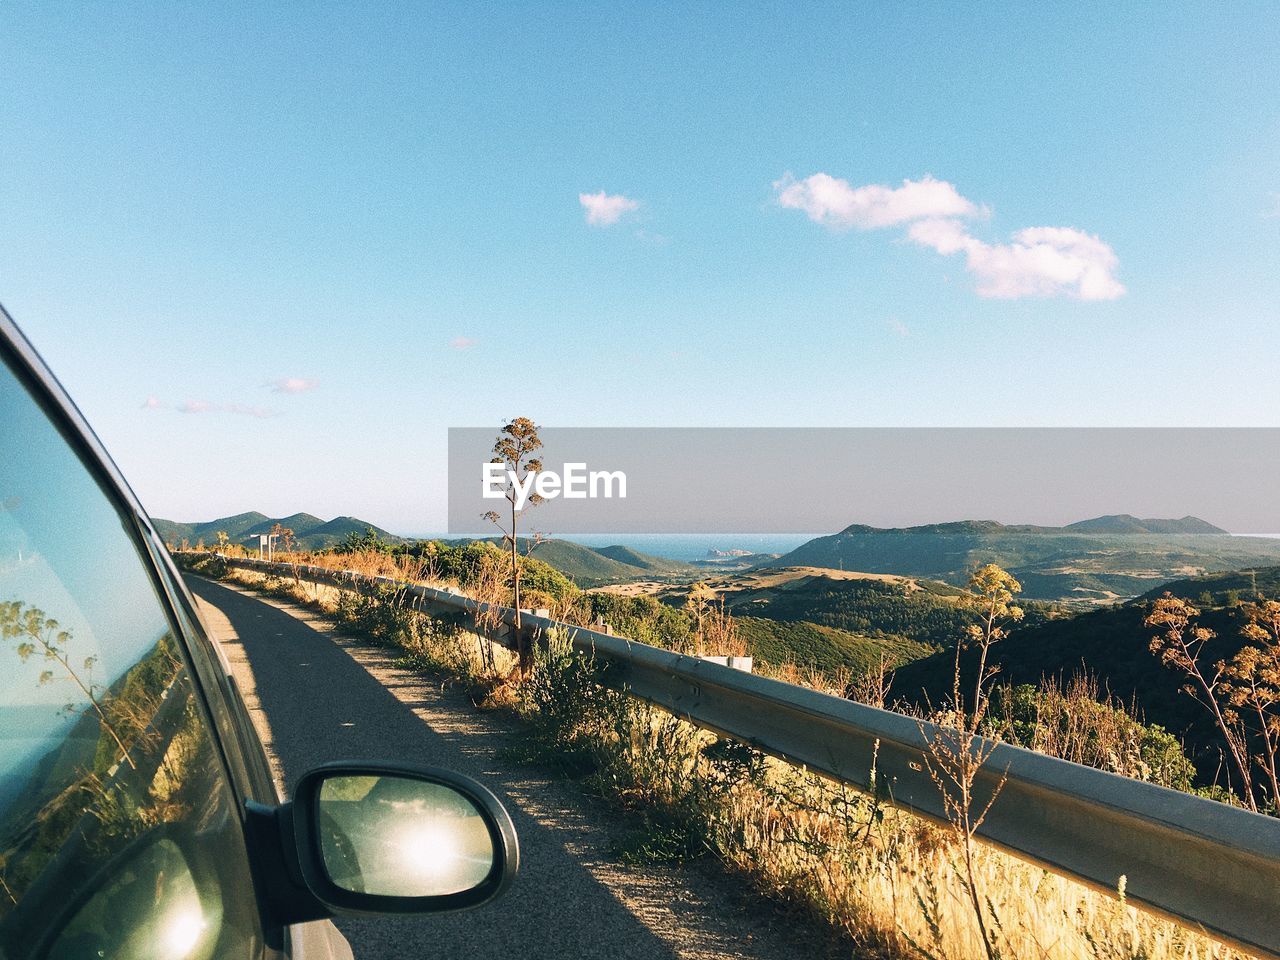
275 251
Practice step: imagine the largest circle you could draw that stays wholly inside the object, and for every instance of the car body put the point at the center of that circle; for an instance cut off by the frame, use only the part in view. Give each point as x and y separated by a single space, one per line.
138 815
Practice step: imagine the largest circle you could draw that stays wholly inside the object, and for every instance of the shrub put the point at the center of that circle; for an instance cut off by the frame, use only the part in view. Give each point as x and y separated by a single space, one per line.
1074 724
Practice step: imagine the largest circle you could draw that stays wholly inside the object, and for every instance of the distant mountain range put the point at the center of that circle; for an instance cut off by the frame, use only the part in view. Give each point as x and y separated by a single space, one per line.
312 533
1118 523
1099 560
588 566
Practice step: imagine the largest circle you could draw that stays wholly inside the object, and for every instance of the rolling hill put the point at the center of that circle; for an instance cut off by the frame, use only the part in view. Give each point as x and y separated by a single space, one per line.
1095 561
597 566
1224 588
824 648
924 612
312 533
829 619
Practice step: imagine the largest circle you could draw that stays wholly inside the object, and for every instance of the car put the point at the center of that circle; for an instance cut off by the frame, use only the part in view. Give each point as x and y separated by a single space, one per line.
138 815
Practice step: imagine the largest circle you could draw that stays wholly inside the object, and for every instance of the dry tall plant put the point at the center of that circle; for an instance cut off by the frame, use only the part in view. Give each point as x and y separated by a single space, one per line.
870 686
488 586
1180 646
714 630
1252 685
956 753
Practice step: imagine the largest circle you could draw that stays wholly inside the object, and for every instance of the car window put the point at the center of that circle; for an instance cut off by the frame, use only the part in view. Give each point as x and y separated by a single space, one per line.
119 833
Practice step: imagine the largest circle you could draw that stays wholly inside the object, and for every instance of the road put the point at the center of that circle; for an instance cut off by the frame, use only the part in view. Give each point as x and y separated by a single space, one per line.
316 696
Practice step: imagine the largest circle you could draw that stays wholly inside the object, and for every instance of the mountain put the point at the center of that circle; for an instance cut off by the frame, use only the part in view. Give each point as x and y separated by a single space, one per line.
236 527
634 558
597 566
1095 561
1125 523
311 532
590 567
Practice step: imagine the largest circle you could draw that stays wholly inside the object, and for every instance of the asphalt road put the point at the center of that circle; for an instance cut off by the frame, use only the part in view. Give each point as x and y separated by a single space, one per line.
318 697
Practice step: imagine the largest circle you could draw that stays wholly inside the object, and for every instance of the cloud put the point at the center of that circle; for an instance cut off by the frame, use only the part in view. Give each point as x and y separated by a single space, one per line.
462 343
604 209
153 403
1039 262
292 385
898 327
834 203
1273 211
196 406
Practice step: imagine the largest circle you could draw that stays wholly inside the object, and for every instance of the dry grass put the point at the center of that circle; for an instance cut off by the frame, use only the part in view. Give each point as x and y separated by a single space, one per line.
891 882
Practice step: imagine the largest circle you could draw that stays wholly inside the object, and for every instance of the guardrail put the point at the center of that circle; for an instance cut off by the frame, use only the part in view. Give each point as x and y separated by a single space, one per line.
1200 862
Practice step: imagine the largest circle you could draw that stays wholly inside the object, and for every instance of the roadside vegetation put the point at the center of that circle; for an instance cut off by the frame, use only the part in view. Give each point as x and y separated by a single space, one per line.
1128 654
893 884
1242 693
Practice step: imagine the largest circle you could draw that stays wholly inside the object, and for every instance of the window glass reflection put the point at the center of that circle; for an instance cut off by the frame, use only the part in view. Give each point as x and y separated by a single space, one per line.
113 804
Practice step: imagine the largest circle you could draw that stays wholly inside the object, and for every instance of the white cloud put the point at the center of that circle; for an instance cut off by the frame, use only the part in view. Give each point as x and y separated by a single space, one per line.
604 209
462 343
833 202
899 328
153 403
293 385
1039 262
1273 211
197 406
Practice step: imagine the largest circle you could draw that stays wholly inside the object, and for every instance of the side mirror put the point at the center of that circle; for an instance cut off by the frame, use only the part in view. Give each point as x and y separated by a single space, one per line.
383 838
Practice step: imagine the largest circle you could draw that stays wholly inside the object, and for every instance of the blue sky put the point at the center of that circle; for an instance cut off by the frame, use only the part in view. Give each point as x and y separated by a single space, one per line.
331 232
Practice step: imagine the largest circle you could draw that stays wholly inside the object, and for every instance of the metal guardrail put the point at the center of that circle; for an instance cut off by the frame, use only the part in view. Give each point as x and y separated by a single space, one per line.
1200 862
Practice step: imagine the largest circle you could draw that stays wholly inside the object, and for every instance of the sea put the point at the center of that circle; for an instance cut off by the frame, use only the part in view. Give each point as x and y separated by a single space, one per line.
695 546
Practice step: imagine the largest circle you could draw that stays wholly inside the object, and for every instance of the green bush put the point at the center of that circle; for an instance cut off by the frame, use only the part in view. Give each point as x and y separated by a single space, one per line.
1075 725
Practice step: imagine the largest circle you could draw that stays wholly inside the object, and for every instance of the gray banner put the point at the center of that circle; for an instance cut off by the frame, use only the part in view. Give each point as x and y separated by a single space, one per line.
785 480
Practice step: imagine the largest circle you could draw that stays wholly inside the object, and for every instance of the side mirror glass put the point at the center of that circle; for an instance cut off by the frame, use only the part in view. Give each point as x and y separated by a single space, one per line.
395 839
392 836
